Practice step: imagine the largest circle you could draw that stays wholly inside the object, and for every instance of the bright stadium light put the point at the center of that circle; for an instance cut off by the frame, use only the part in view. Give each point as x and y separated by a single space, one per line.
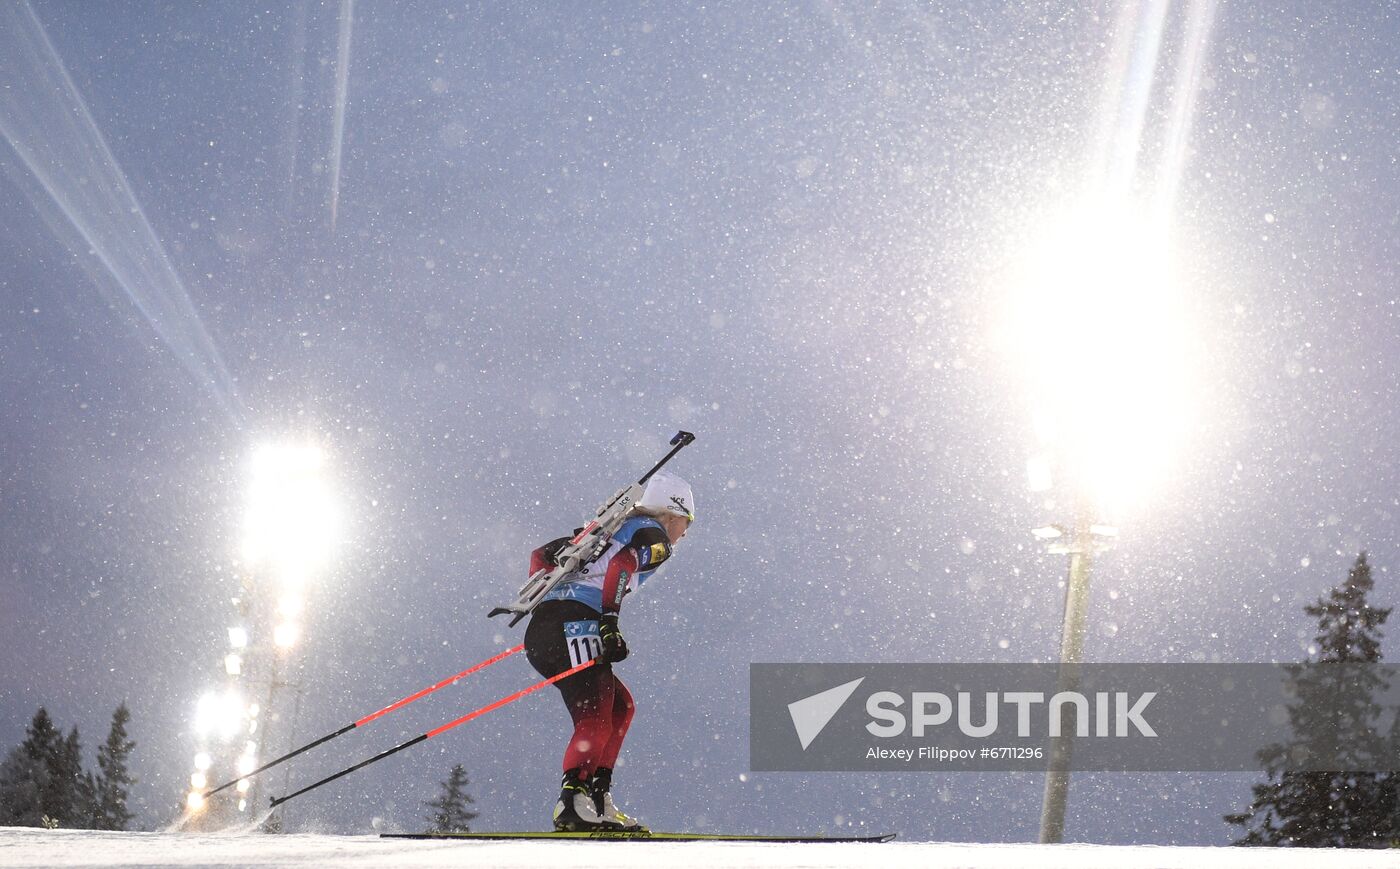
219 714
198 780
285 635
292 515
290 605
290 525
203 761
194 801
222 714
206 713
1096 326
1039 473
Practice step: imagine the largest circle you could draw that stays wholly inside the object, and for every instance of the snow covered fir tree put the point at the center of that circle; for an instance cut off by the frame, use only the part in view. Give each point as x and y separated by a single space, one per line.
40 782
1356 805
43 784
112 784
450 812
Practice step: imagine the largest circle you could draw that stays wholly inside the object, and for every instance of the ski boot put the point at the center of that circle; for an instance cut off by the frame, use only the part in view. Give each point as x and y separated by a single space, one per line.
575 812
600 787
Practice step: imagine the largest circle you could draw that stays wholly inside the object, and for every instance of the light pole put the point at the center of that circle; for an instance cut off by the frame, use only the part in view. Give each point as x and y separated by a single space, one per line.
1080 542
1096 328
291 524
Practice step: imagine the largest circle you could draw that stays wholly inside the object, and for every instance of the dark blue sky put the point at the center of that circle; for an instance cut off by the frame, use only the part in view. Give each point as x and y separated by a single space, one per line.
565 231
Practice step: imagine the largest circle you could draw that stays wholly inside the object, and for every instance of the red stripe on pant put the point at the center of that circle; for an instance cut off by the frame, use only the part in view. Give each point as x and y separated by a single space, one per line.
600 725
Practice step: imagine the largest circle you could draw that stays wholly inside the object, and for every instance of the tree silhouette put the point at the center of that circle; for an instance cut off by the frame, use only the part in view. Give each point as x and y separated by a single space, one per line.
450 812
113 778
1354 804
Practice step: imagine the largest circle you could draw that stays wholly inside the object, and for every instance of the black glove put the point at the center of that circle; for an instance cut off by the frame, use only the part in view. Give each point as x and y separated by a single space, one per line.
614 646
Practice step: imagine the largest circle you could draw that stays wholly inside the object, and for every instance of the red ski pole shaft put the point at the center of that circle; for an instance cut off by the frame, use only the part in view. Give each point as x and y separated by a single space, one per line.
443 684
277 801
368 718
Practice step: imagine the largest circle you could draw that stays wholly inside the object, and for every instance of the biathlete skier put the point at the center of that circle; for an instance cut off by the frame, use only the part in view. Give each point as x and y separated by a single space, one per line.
577 622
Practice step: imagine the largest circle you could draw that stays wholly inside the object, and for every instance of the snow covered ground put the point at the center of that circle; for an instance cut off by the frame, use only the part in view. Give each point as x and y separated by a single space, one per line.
58 848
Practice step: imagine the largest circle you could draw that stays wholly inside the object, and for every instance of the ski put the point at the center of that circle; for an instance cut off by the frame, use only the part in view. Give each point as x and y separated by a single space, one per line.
639 836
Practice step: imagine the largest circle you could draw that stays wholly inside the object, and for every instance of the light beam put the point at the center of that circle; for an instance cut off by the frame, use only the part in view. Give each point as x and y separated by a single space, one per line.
342 81
83 195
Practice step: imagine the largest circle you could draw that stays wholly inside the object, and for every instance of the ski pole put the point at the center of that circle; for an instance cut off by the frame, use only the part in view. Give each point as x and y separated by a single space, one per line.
277 801
368 718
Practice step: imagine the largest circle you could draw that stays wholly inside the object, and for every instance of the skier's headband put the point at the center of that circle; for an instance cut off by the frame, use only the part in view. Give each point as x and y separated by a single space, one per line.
659 512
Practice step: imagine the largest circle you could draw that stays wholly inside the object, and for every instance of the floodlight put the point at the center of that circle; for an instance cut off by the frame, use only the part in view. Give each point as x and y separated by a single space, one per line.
233 664
1038 474
198 780
202 761
194 801
238 637
285 635
228 714
1097 328
292 514
206 713
290 605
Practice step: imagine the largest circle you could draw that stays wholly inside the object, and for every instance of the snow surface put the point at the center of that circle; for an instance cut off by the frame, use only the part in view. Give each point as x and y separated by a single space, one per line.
55 848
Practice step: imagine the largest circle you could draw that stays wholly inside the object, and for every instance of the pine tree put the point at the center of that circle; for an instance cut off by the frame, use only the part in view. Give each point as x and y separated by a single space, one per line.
27 788
41 737
1354 805
110 788
87 787
43 744
23 782
450 812
68 805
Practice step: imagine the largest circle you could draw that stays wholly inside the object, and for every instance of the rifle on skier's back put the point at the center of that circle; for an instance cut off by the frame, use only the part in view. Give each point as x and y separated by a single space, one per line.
589 543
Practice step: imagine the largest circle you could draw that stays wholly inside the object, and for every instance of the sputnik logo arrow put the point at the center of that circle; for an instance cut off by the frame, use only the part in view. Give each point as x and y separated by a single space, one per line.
811 715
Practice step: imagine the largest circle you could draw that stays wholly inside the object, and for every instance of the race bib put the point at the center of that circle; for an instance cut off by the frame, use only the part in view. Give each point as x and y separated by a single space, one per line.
583 641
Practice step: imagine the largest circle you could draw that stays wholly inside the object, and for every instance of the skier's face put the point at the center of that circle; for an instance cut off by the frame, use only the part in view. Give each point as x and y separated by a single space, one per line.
675 526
